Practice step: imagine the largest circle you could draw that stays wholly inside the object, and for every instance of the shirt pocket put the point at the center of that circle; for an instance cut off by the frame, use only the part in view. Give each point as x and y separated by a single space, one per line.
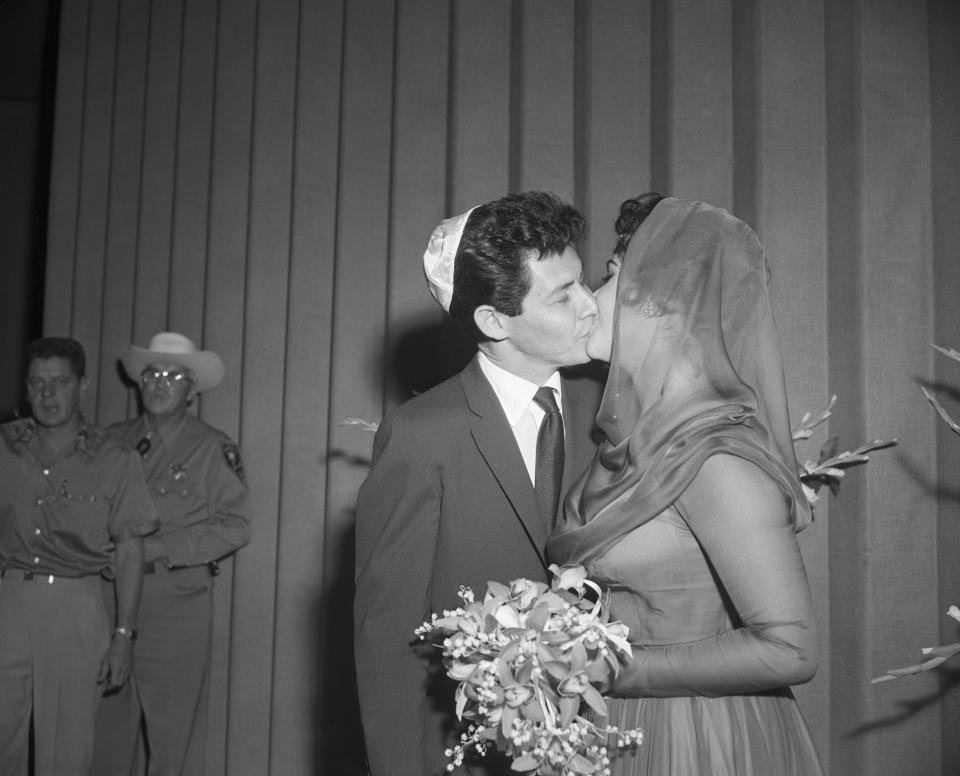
81 517
183 487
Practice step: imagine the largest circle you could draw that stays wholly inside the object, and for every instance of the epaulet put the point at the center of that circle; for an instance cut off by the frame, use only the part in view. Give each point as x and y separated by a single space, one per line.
21 428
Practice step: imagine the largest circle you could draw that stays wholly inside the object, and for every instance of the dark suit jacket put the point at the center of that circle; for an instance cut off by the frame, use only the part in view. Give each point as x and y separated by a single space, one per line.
447 503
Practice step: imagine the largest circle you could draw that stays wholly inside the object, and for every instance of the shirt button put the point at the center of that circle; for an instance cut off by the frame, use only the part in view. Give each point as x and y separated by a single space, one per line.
36 531
39 501
36 560
47 472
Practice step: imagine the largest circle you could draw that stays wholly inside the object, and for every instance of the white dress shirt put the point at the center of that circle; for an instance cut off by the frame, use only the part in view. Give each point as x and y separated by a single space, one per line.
523 413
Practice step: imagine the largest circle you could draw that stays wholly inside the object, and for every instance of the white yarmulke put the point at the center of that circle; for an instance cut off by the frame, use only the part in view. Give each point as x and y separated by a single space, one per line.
439 256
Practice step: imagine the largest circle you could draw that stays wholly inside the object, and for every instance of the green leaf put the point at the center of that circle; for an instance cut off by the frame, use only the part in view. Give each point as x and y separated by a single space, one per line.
538 617
568 710
556 669
580 764
534 712
525 672
578 656
506 720
595 701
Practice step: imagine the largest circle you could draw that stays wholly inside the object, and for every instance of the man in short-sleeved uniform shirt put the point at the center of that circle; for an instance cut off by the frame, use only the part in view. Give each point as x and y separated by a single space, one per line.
69 515
195 476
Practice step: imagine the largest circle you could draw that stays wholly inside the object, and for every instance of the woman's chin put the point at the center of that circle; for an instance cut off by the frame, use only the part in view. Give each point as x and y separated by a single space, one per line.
597 350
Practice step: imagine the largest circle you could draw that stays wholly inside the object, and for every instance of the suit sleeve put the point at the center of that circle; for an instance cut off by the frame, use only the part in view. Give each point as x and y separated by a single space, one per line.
398 520
740 518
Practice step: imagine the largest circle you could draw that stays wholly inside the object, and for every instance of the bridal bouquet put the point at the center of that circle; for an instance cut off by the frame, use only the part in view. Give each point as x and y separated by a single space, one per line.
526 659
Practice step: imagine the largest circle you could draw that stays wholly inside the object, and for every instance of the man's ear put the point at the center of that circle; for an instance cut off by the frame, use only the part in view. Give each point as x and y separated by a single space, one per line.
83 383
490 322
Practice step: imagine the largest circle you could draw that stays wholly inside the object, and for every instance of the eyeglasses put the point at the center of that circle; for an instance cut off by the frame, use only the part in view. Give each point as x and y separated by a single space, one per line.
57 384
167 377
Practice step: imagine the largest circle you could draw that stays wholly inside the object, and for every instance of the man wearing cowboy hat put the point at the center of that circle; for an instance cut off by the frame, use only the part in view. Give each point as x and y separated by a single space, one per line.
196 478
461 491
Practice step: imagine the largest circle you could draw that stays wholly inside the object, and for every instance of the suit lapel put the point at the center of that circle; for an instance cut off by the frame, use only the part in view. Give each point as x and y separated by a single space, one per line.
498 446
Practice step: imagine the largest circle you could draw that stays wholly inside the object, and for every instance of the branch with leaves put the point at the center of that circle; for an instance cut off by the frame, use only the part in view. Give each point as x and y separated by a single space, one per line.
955 355
364 425
934 657
829 468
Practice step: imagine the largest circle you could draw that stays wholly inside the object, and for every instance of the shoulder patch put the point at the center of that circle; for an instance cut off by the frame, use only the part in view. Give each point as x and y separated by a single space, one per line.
231 454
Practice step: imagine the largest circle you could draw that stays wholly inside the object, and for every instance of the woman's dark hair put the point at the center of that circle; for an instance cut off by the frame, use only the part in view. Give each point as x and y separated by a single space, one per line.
58 347
498 239
632 214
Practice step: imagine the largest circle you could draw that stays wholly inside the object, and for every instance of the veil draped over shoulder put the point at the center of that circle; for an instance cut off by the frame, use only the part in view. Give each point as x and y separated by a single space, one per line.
695 370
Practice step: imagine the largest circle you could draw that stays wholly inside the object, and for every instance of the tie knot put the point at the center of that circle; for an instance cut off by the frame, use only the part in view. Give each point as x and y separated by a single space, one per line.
546 401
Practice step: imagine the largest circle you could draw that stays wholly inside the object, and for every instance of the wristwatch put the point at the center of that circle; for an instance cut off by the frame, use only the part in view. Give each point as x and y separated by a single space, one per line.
129 633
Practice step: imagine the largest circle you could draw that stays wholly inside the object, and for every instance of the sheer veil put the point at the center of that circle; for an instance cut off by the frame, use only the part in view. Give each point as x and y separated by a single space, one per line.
695 370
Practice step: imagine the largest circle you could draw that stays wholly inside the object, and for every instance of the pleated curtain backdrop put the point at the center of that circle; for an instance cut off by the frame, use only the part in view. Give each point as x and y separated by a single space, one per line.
263 177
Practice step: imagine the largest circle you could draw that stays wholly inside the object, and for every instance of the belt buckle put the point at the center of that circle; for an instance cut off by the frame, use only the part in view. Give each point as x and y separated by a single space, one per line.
28 576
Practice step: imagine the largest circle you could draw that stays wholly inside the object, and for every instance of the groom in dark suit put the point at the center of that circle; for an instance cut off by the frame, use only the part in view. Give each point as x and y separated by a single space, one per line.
451 498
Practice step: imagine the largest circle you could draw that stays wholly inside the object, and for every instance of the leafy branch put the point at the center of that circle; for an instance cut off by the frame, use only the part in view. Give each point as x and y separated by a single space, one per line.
940 654
955 355
364 425
829 468
935 656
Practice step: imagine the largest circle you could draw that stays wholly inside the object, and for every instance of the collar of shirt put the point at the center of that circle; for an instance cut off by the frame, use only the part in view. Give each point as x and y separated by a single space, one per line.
515 393
87 440
168 436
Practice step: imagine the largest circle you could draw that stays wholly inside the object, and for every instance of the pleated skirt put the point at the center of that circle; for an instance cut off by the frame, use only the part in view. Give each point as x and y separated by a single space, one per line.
741 735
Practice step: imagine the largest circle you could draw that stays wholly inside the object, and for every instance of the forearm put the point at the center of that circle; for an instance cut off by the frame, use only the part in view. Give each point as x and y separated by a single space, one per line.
129 581
221 534
738 662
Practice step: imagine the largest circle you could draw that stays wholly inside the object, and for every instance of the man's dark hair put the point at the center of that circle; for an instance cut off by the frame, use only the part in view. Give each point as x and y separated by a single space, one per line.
58 347
498 239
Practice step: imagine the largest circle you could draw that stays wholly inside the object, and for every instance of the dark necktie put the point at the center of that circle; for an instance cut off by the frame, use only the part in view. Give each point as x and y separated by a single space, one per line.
549 469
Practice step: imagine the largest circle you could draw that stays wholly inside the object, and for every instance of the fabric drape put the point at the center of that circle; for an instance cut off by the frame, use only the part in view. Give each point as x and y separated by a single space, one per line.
695 370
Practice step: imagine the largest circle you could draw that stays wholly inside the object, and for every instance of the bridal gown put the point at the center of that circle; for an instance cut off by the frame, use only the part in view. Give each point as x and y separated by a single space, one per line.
682 620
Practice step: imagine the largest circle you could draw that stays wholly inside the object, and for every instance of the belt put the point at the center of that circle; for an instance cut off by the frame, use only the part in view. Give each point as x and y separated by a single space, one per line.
27 576
151 567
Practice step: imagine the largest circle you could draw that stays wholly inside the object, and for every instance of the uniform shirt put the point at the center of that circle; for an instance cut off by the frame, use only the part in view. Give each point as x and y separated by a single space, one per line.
64 518
198 486
523 414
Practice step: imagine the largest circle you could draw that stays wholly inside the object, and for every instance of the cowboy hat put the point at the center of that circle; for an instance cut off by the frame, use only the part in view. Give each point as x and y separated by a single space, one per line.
168 347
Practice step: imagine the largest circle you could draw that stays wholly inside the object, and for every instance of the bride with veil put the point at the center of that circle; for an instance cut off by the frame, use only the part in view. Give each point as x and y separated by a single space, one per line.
689 513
